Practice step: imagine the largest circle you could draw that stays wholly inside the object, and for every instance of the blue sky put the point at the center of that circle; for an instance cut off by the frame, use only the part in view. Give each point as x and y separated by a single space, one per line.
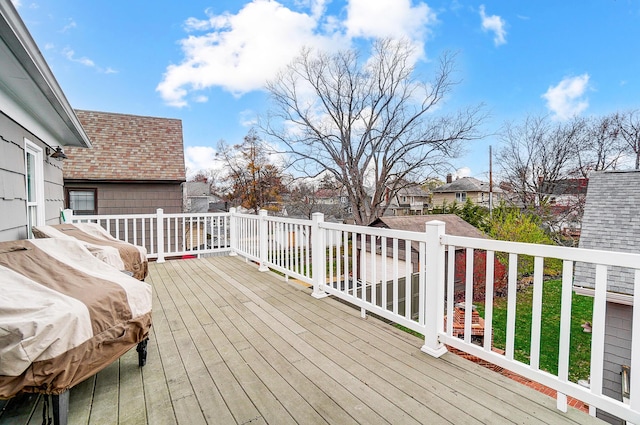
205 62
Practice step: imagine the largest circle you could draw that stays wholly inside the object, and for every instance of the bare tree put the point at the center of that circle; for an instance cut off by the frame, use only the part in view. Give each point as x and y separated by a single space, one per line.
536 152
370 123
538 161
306 198
629 126
600 146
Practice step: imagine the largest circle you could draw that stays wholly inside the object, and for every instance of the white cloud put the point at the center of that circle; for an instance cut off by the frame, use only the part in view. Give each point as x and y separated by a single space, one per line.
462 172
388 18
199 158
240 52
248 118
16 3
71 55
566 99
70 25
495 24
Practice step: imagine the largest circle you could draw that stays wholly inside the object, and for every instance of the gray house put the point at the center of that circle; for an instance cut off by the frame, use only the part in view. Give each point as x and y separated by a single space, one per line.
464 188
612 222
36 121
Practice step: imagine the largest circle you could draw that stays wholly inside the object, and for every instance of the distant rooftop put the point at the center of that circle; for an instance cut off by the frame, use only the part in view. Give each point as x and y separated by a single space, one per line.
454 225
466 184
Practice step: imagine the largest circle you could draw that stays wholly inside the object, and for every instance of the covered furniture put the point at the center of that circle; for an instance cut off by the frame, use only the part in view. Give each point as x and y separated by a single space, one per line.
121 255
64 316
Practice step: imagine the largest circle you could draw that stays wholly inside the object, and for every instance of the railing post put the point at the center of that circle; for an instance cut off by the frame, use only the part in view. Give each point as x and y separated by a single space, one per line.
233 242
434 296
264 235
160 234
66 216
318 256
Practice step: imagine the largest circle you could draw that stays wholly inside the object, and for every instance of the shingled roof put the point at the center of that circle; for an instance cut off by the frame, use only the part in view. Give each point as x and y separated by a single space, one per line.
611 222
454 225
465 184
127 148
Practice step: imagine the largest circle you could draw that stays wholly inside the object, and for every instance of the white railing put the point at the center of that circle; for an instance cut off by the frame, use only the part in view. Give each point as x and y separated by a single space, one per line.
166 235
409 278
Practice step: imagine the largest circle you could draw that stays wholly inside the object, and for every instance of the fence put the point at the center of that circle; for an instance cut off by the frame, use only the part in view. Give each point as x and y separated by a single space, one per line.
409 279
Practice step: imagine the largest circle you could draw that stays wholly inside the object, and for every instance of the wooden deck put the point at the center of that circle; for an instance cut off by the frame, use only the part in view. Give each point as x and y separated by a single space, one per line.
232 345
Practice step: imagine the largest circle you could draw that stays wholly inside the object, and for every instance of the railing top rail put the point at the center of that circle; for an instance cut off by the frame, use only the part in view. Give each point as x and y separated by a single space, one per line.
298 221
250 216
113 216
595 256
197 214
376 231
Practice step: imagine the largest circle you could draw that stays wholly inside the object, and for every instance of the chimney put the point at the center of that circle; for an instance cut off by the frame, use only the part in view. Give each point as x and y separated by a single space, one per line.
449 178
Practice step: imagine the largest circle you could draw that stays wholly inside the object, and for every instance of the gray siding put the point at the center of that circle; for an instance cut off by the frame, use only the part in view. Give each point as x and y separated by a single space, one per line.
13 215
134 198
617 352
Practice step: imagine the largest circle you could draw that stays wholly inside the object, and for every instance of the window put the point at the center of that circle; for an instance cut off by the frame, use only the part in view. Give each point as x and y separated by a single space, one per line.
82 201
35 185
461 196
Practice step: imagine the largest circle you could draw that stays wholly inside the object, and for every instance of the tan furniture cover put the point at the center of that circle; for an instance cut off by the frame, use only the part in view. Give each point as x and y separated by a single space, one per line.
121 255
64 315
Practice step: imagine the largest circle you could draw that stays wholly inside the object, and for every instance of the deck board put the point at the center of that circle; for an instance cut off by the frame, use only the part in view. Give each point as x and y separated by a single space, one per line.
232 345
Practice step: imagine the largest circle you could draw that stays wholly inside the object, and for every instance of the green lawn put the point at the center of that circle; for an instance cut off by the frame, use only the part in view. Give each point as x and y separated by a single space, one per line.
581 311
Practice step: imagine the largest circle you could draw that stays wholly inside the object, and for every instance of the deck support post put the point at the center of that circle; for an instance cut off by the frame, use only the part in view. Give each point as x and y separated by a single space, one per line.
263 240
233 232
434 296
318 256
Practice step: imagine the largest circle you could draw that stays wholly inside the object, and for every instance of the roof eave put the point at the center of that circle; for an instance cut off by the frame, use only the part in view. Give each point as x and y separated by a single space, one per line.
18 40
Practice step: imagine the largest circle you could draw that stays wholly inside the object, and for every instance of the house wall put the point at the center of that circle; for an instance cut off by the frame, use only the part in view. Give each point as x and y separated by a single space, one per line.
13 213
617 352
480 198
134 198
437 199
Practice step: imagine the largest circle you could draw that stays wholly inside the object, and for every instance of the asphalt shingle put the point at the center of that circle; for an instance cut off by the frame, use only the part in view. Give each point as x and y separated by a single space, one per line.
127 147
611 223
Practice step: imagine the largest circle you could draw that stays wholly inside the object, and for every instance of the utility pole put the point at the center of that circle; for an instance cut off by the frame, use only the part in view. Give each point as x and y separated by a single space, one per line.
490 183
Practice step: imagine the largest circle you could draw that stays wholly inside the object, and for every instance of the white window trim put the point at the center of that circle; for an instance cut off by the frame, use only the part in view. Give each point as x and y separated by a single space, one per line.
36 151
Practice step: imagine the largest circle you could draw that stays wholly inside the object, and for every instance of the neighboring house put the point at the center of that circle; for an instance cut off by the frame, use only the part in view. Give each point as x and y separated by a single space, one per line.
198 198
464 188
331 202
612 222
566 199
35 119
410 200
455 226
135 167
